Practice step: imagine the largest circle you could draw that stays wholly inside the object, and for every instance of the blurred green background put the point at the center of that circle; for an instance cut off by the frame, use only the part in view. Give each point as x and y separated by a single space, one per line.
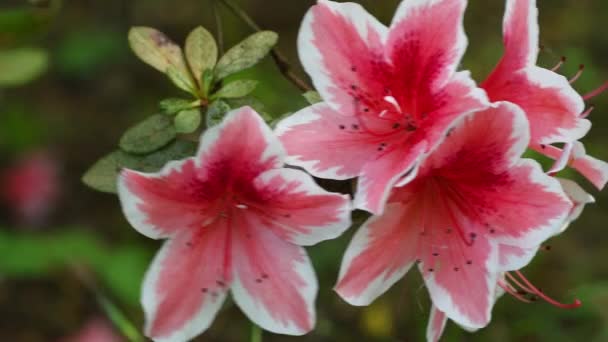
76 87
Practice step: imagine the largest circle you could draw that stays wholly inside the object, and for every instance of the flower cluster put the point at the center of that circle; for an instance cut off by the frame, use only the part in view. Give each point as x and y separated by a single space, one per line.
439 166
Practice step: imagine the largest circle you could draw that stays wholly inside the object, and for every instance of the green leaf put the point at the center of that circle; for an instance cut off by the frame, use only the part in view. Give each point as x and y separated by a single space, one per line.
156 49
149 135
173 106
236 89
102 176
216 112
20 66
312 97
181 80
207 81
201 51
187 121
246 53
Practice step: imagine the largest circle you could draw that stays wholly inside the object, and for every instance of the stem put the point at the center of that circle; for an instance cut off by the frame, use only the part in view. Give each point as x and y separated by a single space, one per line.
279 58
219 32
115 315
256 333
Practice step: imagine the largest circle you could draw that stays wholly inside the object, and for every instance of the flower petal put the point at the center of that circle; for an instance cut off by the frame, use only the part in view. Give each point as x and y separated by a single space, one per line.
243 143
436 326
425 44
578 196
274 283
520 35
342 49
380 254
463 284
513 258
186 285
553 107
183 194
595 170
379 176
495 191
328 144
300 211
160 204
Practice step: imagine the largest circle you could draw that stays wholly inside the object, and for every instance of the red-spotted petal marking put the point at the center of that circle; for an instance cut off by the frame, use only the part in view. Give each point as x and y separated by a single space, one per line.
595 170
425 44
436 325
391 95
332 145
300 211
553 107
274 283
380 254
186 284
233 217
473 196
341 47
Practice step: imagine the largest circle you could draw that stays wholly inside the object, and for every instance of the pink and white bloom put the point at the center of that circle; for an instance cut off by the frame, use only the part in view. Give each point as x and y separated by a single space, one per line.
475 210
31 187
391 94
555 110
235 221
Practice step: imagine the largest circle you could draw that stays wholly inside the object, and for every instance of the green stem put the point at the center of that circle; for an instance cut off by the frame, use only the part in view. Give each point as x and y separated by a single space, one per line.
256 333
279 58
219 32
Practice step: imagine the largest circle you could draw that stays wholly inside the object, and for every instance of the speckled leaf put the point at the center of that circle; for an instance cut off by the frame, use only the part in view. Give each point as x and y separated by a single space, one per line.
187 121
157 50
149 135
216 112
201 52
102 175
246 53
236 89
173 106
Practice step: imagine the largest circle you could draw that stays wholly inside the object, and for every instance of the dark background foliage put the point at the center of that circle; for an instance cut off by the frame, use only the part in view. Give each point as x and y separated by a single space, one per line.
95 88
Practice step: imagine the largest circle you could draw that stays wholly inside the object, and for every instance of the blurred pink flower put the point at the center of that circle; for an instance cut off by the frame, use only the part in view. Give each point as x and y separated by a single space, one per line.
391 94
31 187
235 220
475 211
555 110
95 330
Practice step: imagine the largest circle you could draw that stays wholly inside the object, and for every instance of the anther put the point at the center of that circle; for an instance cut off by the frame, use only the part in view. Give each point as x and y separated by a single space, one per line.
559 64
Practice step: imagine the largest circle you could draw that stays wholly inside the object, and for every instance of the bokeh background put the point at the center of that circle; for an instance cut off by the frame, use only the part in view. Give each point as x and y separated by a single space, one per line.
67 255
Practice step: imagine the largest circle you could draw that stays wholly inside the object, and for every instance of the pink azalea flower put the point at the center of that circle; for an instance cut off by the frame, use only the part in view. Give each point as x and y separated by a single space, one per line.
512 258
555 110
235 221
475 211
31 187
391 94
96 330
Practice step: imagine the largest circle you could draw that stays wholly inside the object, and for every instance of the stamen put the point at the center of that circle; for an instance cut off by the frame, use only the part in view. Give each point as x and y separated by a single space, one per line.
578 74
563 160
394 102
513 293
596 92
577 303
383 113
559 64
241 206
587 112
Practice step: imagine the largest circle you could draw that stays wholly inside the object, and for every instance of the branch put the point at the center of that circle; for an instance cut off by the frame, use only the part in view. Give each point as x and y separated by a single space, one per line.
278 57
